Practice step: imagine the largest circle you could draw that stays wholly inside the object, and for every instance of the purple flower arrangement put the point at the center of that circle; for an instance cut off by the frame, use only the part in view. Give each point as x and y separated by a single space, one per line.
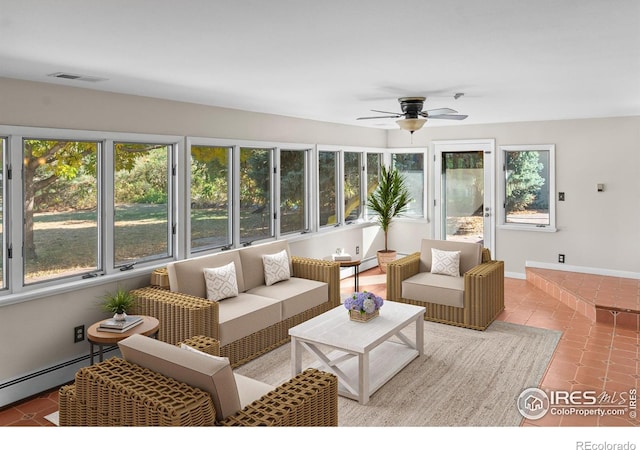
364 302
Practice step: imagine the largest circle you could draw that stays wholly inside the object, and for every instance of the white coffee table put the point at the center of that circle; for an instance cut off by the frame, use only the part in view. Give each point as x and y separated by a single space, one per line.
364 356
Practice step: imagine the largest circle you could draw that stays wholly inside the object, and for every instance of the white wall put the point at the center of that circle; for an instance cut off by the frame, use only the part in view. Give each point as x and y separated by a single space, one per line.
598 231
53 106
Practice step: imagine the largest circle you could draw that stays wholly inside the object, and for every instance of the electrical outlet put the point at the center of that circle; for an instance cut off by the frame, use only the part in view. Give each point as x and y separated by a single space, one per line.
357 250
78 333
561 258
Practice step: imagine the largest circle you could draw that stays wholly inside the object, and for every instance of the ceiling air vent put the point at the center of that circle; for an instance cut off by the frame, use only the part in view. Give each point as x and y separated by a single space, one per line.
73 76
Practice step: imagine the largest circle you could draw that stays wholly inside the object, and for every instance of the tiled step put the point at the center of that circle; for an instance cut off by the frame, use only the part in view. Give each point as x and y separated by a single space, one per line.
601 298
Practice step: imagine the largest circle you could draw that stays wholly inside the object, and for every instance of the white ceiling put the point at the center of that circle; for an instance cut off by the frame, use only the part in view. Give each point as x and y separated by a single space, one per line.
335 60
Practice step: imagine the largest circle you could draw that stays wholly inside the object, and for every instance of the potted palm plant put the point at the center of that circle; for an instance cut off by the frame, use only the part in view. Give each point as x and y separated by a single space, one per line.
118 303
389 200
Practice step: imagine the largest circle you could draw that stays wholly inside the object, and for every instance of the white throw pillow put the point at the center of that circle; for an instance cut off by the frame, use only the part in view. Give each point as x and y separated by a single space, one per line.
276 267
445 263
221 282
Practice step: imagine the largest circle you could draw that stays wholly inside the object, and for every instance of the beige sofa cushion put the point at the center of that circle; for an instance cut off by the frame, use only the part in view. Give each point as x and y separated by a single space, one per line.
432 288
470 253
296 294
252 264
245 314
251 390
187 276
212 375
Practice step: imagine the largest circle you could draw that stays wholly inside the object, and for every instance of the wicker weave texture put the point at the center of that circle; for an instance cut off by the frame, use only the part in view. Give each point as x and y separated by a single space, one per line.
483 292
181 316
308 400
118 393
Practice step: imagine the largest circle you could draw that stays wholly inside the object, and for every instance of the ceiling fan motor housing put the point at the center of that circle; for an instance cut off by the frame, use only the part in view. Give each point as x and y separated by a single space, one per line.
412 106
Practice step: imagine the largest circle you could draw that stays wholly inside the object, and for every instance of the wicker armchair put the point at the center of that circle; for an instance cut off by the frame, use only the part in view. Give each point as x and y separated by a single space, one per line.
483 287
182 316
119 393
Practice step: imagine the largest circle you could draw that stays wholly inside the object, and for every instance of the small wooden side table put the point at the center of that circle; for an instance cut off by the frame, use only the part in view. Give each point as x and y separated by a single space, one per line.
148 327
355 263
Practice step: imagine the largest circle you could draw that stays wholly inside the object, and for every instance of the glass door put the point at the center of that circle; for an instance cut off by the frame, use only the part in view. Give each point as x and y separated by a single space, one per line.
464 191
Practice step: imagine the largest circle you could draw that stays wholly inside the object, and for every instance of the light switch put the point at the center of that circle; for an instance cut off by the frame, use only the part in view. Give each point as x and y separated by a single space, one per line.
600 187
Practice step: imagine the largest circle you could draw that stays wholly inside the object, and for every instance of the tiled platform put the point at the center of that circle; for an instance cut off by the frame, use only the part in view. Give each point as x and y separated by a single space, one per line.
602 299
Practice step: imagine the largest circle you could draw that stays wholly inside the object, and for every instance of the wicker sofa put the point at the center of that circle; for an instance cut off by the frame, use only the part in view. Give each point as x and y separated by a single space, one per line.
255 321
118 392
471 299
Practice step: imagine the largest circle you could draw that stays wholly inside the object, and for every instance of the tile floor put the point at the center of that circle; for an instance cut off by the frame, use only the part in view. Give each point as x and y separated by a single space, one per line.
590 355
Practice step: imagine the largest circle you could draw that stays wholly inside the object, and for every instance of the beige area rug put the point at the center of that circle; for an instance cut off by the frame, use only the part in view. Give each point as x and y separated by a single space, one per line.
465 378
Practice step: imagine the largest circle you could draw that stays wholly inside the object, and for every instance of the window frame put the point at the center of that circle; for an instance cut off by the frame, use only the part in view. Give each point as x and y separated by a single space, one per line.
503 224
425 180
307 151
171 197
338 191
188 224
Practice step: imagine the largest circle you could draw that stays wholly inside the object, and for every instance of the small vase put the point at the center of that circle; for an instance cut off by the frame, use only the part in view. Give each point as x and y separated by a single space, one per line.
120 317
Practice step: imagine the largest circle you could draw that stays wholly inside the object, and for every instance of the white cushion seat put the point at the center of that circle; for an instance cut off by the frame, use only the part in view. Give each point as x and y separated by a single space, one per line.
250 390
434 288
296 295
246 314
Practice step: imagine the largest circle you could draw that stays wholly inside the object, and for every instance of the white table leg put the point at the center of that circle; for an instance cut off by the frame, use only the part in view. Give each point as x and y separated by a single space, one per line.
363 375
296 357
420 335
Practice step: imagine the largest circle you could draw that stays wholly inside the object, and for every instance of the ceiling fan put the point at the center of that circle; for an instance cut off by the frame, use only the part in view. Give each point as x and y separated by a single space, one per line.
414 116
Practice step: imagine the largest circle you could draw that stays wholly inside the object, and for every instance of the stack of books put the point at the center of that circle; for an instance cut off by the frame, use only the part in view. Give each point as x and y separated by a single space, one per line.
119 326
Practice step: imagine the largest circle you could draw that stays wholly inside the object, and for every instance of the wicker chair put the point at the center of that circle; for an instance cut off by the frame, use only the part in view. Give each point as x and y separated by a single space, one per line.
119 393
483 297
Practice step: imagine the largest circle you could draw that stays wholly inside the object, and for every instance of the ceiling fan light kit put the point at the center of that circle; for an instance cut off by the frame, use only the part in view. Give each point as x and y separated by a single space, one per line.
411 125
414 117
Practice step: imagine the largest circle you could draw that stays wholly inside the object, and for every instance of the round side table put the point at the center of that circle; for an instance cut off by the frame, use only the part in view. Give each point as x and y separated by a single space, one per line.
355 263
148 327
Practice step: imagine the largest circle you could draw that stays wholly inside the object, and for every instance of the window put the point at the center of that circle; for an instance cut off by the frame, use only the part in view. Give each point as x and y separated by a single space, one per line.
352 186
60 192
3 148
293 191
374 163
210 206
256 167
411 165
528 186
142 218
327 192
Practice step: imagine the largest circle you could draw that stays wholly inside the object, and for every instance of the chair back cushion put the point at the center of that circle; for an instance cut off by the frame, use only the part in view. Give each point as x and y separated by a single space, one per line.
187 276
212 375
470 253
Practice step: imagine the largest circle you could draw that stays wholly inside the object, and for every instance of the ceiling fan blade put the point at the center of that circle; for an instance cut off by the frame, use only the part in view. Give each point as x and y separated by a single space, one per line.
440 111
450 116
388 112
379 117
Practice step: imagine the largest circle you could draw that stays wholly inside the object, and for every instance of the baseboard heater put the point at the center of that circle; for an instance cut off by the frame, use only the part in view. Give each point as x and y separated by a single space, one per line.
25 386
